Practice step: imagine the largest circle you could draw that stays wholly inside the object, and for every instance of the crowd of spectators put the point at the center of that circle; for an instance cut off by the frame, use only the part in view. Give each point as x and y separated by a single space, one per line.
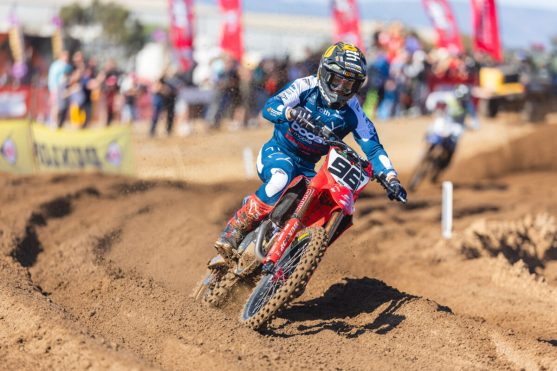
240 90
402 71
75 84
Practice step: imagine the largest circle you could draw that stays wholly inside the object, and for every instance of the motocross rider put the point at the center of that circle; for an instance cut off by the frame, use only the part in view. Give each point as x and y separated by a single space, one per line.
451 108
328 97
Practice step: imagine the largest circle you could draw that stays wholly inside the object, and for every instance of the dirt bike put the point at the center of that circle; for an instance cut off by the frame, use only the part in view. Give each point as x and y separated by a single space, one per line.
435 160
310 215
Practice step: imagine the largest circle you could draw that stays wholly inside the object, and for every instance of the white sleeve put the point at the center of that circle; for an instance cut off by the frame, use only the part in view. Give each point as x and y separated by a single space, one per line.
364 128
291 95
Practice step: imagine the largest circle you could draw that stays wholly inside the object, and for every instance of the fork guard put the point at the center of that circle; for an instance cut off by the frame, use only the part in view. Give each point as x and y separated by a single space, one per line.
263 228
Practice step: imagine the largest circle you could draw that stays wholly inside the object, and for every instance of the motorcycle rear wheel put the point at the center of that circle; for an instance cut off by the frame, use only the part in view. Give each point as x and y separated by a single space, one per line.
218 295
291 274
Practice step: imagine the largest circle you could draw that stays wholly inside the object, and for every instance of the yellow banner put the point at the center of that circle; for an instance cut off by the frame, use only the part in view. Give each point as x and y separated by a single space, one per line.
100 149
16 154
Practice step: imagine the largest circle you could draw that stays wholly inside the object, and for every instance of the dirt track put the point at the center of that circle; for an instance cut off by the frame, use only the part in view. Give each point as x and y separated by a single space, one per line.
95 272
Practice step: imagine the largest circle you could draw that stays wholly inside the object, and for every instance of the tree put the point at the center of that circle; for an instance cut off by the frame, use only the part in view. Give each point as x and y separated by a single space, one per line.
117 23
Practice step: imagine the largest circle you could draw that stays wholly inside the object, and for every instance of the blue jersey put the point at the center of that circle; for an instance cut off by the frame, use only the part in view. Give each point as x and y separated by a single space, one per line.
299 143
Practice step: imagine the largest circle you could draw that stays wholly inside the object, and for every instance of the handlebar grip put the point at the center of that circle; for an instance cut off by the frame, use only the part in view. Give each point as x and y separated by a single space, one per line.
308 125
382 179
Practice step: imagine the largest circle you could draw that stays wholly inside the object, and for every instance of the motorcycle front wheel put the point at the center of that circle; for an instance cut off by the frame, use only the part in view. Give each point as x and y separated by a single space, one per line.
424 167
289 277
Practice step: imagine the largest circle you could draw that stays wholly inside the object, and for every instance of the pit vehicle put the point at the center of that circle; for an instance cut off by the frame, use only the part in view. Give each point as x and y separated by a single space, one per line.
505 89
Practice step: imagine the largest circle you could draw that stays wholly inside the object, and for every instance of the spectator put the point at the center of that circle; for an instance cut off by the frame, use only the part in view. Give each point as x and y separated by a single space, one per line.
56 75
129 90
110 87
87 83
227 92
164 98
62 104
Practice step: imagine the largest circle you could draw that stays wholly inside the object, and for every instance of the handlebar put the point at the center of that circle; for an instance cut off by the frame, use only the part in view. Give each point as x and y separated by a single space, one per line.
331 139
381 178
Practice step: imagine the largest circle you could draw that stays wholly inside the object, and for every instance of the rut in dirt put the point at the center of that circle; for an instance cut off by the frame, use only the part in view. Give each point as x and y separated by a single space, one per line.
121 261
135 313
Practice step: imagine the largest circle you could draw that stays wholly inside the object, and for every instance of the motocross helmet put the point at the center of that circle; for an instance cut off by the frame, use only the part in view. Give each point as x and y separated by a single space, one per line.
341 73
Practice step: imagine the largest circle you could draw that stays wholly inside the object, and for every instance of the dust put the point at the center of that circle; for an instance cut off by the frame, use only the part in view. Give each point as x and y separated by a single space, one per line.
531 239
518 278
534 151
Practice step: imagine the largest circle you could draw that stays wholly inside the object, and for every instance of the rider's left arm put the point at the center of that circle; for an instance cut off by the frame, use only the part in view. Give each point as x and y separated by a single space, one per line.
366 136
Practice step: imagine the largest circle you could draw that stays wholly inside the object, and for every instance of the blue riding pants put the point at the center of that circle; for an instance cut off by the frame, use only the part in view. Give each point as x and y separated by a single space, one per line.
277 167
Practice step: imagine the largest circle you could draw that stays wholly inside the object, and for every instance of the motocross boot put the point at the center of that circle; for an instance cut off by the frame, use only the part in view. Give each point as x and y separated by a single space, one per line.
243 222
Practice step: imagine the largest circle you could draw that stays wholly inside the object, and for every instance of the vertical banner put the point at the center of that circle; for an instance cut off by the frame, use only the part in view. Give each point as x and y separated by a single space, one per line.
486 29
231 40
57 36
181 31
347 22
17 46
441 16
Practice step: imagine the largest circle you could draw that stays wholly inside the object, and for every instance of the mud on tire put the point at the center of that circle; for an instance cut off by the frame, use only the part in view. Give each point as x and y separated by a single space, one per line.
218 295
293 285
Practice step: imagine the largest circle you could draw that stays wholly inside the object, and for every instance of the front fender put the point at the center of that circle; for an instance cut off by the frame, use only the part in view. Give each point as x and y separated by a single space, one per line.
343 197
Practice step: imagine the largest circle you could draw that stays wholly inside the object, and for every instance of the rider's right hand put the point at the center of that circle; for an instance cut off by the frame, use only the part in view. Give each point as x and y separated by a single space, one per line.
300 115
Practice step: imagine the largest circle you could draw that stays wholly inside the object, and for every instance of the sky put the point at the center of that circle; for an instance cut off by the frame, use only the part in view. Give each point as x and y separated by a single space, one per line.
552 4
543 4
522 22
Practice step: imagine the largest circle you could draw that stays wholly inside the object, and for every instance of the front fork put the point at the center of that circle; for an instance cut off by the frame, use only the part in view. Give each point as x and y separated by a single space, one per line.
292 226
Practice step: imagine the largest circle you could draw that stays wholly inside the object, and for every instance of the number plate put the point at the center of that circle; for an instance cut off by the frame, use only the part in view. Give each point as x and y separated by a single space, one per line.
345 173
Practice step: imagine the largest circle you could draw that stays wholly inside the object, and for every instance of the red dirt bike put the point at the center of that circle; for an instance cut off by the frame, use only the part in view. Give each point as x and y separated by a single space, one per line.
310 215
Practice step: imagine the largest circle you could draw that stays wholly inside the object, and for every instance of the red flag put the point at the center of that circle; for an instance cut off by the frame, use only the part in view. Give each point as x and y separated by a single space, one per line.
441 15
231 34
181 31
486 29
347 22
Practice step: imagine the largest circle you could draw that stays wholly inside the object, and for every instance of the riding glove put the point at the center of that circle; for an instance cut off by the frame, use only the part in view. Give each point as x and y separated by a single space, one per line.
300 115
396 190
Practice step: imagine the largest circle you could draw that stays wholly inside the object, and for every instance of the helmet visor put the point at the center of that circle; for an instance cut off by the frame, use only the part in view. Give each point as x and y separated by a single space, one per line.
341 85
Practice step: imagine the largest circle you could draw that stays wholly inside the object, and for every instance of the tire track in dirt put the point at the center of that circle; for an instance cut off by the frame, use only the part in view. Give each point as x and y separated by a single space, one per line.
165 329
108 264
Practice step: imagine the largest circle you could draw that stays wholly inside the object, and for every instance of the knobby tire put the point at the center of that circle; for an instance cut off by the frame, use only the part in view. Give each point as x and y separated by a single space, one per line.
216 296
293 285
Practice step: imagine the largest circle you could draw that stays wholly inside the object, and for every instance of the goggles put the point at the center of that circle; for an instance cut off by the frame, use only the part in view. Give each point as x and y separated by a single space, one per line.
341 85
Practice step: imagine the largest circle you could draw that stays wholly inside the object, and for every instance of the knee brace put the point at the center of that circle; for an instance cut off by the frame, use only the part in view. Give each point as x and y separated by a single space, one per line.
276 184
